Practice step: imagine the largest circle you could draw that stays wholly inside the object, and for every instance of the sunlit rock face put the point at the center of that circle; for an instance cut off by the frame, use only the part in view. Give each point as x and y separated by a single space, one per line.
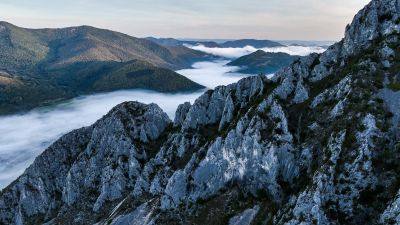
317 144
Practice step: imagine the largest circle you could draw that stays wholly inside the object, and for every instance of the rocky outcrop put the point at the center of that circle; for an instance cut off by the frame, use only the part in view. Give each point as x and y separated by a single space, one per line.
96 163
246 218
317 144
391 215
217 107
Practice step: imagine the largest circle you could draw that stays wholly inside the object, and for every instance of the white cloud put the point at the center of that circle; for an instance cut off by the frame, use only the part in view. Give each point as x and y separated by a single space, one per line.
233 53
296 50
225 52
212 74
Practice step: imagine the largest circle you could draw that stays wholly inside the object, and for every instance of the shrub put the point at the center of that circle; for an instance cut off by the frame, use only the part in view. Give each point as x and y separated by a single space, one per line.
394 86
350 139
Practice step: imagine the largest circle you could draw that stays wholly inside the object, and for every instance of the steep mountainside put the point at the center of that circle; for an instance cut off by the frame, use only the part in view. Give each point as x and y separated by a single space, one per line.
261 62
143 75
175 42
50 64
24 92
252 42
317 144
22 48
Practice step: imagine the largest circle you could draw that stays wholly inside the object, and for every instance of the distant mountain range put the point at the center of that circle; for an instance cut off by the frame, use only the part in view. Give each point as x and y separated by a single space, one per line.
176 42
43 65
261 62
251 42
211 44
23 48
306 43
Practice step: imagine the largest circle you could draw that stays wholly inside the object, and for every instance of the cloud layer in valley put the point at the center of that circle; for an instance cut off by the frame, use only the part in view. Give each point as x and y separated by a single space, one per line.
25 136
212 74
233 53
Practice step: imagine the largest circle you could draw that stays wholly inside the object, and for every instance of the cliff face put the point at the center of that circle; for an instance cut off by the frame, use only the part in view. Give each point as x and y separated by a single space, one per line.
317 144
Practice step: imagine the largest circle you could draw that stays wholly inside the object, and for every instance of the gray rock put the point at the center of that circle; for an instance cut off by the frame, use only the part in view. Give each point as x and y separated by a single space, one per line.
210 107
102 158
143 215
391 99
301 93
227 114
180 114
245 218
392 212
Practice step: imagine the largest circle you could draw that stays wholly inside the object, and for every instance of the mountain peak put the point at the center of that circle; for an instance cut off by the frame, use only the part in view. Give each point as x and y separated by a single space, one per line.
378 18
143 122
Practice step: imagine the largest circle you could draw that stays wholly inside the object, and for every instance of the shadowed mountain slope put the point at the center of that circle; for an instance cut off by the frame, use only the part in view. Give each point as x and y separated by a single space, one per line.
261 62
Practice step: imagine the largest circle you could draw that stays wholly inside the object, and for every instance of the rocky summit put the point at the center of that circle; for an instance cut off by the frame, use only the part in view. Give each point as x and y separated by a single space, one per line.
319 143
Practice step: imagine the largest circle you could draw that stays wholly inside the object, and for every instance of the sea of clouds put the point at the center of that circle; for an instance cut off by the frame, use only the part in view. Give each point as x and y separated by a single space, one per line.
233 53
212 74
25 136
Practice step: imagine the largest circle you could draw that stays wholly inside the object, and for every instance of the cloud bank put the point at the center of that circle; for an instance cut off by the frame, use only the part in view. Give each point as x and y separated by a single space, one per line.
212 74
233 53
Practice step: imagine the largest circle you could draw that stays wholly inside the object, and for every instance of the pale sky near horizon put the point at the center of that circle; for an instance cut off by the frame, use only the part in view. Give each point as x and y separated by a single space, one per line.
213 19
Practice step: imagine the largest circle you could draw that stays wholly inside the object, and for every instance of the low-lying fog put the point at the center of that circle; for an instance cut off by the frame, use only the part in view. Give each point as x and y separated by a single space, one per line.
212 74
23 137
233 53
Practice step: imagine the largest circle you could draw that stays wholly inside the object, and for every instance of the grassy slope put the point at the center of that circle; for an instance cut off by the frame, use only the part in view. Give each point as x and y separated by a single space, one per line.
20 46
143 75
21 93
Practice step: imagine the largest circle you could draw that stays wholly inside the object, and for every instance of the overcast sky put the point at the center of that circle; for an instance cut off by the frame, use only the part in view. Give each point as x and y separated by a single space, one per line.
223 19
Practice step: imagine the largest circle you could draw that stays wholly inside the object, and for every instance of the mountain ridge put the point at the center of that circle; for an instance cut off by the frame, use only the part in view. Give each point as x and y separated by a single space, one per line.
251 42
145 50
240 43
54 64
176 42
260 62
